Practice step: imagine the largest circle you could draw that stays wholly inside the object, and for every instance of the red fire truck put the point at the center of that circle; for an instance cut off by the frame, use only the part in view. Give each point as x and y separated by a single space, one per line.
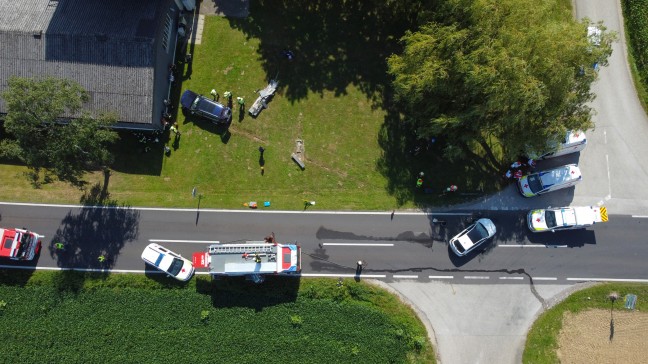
19 244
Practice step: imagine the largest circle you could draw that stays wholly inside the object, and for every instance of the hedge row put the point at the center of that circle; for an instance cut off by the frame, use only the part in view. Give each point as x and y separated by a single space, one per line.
636 17
54 317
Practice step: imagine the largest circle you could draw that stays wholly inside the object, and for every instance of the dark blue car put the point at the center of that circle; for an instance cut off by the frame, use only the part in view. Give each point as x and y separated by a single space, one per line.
199 105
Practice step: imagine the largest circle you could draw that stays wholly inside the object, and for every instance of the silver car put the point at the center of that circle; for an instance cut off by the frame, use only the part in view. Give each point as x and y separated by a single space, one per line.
474 235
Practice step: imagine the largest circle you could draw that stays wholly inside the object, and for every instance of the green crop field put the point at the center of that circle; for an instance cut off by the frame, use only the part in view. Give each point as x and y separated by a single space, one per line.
64 317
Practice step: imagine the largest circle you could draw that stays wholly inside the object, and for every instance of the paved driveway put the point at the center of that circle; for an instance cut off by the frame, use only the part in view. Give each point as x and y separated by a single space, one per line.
614 172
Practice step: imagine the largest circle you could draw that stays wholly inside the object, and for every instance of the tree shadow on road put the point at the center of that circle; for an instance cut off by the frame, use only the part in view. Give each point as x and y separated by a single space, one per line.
100 228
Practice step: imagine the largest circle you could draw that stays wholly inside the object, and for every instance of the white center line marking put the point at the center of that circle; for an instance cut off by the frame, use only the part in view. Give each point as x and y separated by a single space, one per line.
544 278
441 277
343 275
477 277
405 276
511 277
607 164
640 216
357 244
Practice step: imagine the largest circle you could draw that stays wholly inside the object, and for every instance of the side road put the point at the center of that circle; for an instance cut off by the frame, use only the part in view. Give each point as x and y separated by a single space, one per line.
479 323
489 323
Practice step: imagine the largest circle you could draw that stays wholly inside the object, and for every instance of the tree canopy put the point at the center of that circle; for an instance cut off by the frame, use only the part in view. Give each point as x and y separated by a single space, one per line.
499 76
47 129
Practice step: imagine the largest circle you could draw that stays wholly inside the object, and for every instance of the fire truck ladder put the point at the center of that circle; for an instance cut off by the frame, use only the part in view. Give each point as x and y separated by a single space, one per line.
240 249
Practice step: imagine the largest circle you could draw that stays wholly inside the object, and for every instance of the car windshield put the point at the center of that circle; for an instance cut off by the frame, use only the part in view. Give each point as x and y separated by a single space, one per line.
194 105
478 233
535 184
175 267
550 218
459 247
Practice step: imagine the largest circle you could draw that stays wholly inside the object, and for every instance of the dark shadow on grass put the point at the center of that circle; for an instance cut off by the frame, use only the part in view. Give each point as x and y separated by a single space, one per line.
239 292
18 275
100 228
335 44
405 156
163 279
131 157
220 129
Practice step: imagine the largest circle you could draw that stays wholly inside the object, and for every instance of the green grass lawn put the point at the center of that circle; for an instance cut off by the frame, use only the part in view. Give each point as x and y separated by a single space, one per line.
334 96
542 339
63 317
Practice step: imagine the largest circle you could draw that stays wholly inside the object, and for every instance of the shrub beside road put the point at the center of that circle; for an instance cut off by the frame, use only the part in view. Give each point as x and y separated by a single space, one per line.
635 13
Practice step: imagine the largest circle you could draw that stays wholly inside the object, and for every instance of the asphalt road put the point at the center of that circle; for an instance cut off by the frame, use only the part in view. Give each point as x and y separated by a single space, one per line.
407 246
614 174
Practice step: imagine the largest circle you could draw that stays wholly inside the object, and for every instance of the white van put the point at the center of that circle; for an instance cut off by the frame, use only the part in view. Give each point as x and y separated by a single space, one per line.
574 141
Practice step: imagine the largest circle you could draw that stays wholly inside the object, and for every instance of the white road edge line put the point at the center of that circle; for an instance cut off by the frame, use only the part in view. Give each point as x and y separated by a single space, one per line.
99 270
640 216
476 277
531 246
405 276
441 277
544 278
357 244
249 211
184 241
609 280
511 277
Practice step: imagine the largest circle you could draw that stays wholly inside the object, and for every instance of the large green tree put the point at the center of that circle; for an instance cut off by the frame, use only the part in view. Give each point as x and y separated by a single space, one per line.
496 77
47 129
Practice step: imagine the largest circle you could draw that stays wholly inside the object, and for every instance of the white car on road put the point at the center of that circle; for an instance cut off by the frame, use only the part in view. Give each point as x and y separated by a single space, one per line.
550 180
565 218
167 261
474 235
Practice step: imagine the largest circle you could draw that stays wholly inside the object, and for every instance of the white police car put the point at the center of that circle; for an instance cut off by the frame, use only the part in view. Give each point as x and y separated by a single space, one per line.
167 261
550 180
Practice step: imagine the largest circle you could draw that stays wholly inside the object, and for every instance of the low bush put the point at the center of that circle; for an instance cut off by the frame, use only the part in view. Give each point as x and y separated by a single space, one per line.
636 17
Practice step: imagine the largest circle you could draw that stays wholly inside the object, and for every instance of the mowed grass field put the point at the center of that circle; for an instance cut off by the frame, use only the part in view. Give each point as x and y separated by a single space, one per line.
64 317
339 132
334 96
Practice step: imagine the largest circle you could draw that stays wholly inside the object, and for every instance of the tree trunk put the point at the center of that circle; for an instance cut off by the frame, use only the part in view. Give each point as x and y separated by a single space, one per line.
489 153
483 161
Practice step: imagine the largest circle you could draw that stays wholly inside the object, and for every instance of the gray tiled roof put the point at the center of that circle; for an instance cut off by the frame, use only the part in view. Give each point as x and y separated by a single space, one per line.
108 46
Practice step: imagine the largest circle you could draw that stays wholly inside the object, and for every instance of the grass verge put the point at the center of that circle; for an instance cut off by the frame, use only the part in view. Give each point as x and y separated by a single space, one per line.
542 340
78 318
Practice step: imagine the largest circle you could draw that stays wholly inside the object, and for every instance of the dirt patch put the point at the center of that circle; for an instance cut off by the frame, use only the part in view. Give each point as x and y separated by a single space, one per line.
592 337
